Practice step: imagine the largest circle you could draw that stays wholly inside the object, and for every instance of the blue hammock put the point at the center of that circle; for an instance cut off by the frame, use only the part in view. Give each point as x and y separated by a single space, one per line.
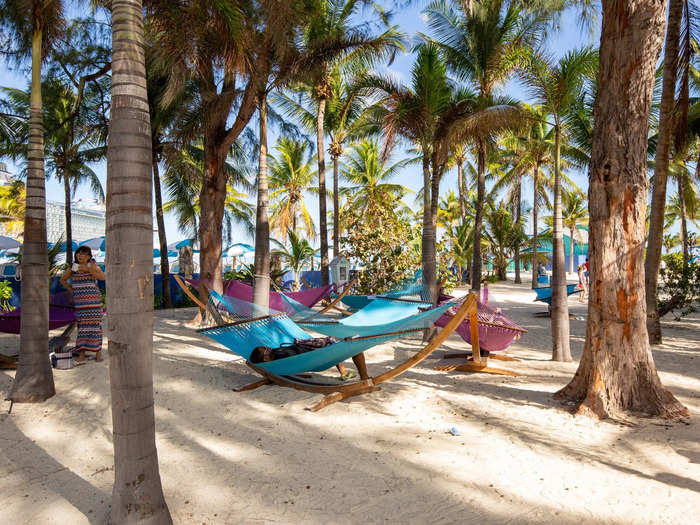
243 336
544 294
411 287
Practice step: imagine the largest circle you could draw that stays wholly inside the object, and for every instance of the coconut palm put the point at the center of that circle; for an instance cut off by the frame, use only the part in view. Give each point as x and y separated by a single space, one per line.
369 175
557 86
296 255
29 26
291 176
503 234
13 199
334 21
483 45
129 277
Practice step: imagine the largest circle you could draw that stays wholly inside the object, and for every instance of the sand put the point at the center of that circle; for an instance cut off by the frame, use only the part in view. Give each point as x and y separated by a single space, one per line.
260 457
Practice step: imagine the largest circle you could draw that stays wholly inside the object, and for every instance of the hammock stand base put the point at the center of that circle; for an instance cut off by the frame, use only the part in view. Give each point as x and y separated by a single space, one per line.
338 392
497 357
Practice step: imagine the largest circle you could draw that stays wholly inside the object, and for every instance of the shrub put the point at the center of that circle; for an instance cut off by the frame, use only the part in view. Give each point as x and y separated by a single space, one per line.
679 289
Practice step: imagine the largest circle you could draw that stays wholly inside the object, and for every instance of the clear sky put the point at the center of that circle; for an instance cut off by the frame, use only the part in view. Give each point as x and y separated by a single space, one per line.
412 22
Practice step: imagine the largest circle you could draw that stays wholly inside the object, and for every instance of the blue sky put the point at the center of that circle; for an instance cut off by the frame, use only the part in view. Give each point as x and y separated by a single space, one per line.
412 22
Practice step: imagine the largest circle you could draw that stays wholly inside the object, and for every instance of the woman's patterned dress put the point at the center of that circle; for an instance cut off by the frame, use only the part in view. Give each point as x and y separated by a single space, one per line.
88 310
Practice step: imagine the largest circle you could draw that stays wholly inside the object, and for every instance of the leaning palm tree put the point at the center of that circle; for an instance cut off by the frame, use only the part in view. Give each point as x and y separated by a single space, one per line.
31 25
291 175
138 494
558 86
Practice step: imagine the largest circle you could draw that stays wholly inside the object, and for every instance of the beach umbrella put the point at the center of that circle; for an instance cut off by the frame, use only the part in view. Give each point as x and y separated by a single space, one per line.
96 243
238 249
156 253
7 243
185 242
73 246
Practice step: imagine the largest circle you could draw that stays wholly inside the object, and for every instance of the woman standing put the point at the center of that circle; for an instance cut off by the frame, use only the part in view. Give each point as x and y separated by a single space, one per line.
88 302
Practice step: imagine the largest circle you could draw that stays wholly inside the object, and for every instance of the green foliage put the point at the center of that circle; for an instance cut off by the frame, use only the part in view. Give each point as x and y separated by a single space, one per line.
680 289
5 295
247 274
381 242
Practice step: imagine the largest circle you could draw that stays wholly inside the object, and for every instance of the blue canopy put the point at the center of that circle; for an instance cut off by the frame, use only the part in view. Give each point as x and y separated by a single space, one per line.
96 243
156 253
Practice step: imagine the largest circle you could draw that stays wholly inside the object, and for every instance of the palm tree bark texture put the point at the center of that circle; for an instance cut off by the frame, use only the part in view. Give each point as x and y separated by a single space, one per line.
137 495
261 282
617 373
663 152
34 379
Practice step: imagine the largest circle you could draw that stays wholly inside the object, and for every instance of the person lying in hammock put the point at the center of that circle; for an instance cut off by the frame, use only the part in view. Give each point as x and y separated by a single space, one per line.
263 354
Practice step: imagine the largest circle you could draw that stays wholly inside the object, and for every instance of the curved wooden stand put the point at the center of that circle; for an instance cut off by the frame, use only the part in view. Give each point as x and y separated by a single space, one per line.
334 302
337 392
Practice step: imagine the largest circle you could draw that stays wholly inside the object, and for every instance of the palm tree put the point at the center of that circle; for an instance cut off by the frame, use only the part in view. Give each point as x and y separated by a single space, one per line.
13 199
74 139
334 22
482 46
291 175
574 214
616 373
558 86
129 277
31 25
503 235
663 156
368 175
297 255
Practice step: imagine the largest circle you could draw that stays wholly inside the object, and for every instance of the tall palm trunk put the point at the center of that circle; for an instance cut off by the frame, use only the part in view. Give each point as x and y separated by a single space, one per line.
572 248
428 237
462 192
137 496
336 209
663 152
684 222
516 257
323 214
261 281
34 379
561 350
535 206
162 239
69 221
478 219
212 199
617 372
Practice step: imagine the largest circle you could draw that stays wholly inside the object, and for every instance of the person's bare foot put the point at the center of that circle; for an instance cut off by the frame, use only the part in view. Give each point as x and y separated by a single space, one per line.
98 356
81 357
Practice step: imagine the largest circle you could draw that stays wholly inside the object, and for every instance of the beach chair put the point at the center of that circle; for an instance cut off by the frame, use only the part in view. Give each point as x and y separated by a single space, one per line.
274 329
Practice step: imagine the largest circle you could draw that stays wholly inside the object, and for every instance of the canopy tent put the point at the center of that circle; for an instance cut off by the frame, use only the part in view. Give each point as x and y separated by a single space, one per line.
545 245
238 249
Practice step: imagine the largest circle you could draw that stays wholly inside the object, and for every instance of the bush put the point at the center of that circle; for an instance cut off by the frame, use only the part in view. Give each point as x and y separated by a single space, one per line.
5 296
679 289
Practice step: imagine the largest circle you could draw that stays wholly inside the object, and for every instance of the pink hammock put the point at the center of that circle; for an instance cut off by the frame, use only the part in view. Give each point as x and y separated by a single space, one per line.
308 298
61 313
496 333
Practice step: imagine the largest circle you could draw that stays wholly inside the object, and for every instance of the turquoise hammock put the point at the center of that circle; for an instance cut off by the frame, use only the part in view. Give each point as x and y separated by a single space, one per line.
411 288
273 330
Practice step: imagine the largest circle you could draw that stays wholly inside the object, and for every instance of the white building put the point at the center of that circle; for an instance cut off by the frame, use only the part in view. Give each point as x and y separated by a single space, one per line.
87 219
5 176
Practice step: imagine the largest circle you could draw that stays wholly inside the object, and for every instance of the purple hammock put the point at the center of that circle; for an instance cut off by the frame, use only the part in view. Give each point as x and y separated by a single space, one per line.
61 313
308 298
497 334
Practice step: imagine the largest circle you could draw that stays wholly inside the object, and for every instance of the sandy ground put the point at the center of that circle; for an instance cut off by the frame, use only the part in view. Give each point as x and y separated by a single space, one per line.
259 457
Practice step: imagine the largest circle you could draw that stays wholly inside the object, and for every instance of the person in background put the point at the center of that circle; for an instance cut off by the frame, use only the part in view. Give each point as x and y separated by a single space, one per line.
587 273
83 276
582 283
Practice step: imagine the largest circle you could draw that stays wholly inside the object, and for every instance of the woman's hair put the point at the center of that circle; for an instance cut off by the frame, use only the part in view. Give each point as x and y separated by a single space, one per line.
84 249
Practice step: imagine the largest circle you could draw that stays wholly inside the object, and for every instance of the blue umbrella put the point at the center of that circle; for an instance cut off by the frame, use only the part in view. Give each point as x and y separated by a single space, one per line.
96 243
73 246
8 243
186 242
156 253
238 249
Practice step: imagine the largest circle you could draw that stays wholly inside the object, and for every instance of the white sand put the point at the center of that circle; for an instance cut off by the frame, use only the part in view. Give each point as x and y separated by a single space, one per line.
259 457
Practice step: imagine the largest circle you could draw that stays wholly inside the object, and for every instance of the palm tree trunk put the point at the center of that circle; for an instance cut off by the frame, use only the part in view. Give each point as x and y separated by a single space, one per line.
572 249
323 214
34 379
428 237
535 205
516 257
69 222
137 496
261 281
336 210
162 239
684 222
617 372
561 350
212 200
462 192
480 196
663 151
